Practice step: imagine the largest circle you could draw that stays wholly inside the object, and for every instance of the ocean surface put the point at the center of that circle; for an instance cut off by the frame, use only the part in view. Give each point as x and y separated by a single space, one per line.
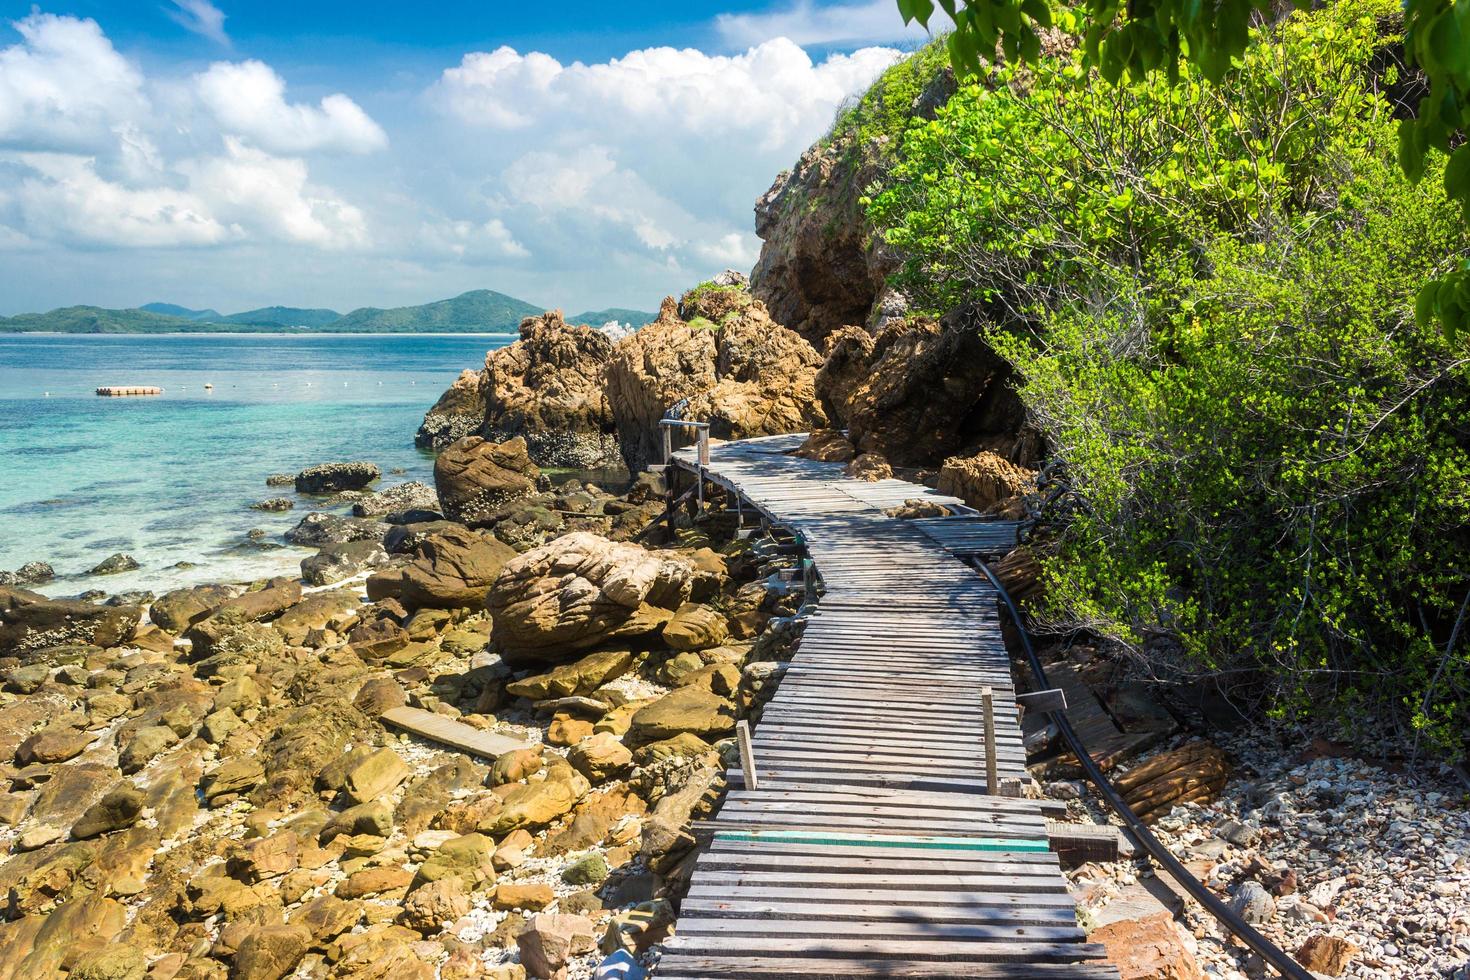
169 478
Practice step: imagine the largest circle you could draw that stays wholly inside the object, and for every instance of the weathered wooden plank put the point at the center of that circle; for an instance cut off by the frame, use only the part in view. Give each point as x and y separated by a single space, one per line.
456 734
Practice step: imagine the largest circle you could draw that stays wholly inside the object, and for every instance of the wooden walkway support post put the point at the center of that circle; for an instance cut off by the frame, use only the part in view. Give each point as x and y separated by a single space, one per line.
747 754
992 782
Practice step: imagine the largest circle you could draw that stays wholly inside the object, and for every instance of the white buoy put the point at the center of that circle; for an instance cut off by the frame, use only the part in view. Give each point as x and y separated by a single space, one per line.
208 386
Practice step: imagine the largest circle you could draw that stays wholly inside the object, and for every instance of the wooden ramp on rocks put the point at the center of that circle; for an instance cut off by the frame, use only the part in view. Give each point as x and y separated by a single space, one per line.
871 847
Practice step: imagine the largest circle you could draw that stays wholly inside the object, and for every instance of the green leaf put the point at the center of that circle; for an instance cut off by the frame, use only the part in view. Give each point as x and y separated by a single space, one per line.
1411 150
1457 174
1424 303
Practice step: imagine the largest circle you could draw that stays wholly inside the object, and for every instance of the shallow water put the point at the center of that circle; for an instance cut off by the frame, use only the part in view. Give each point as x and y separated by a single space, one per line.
169 478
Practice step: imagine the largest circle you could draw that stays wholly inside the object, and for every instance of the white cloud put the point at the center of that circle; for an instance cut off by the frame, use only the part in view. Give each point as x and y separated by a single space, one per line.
249 99
64 85
471 240
269 197
771 91
63 199
805 23
200 17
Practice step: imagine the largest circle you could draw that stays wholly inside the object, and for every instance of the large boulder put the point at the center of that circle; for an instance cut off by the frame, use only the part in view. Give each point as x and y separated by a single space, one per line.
411 497
30 621
685 709
547 388
336 562
747 376
928 390
581 590
454 569
336 477
474 477
317 530
176 611
459 412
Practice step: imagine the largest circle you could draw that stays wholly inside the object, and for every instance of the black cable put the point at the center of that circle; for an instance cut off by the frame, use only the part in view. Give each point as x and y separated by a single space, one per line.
1241 929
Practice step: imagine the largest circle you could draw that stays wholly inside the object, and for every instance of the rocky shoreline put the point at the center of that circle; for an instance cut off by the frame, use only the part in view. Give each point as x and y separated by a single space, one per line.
225 781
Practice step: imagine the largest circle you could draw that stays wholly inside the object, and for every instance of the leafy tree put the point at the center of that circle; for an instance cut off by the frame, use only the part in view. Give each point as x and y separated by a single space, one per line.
1142 37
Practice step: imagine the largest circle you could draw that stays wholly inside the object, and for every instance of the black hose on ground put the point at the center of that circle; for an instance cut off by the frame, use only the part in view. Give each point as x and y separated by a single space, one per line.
1238 927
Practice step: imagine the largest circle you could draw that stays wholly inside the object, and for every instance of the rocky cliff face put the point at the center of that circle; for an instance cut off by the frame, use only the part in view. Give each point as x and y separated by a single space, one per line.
820 266
924 390
547 388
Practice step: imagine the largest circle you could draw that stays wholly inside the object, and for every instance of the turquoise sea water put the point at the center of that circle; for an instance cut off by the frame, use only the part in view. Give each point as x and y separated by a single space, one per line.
170 478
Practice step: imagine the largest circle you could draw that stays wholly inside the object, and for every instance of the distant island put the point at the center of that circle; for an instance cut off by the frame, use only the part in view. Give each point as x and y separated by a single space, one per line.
478 311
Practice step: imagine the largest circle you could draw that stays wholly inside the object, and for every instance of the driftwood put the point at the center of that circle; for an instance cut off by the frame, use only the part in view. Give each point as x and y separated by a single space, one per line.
1192 773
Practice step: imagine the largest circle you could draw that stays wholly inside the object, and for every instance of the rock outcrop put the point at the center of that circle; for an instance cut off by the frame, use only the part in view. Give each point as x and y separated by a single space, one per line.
660 365
30 621
547 388
924 391
747 375
459 412
987 482
335 477
581 590
474 477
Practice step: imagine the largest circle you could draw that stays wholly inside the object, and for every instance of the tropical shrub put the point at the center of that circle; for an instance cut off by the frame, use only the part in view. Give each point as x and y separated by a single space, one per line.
1208 294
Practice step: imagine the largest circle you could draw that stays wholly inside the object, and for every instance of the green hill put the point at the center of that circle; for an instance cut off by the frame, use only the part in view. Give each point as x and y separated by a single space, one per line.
93 319
597 318
173 309
282 316
479 311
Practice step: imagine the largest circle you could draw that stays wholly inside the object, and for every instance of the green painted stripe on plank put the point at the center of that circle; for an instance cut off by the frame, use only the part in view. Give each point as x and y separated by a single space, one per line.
879 840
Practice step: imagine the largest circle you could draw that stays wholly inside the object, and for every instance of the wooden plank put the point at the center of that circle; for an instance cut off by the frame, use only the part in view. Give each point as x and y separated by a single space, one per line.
947 950
677 965
437 728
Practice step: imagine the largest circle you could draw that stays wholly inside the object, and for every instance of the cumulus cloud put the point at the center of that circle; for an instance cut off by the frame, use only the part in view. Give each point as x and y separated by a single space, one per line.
658 153
200 17
870 22
64 199
771 91
249 99
64 85
272 198
472 240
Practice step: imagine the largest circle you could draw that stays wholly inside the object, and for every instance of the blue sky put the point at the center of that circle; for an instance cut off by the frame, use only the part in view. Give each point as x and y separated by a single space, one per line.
330 154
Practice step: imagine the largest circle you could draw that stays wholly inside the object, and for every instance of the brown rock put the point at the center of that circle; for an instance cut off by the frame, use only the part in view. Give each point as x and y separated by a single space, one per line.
473 477
928 391
334 609
375 776
1193 773
685 709
176 611
327 917
986 482
695 627
827 446
574 679
549 941
533 896
428 907
115 811
453 570
271 952
870 467
565 730
581 590
53 746
459 412
373 881
537 803
1328 955
600 757
547 388
29 621
1152 948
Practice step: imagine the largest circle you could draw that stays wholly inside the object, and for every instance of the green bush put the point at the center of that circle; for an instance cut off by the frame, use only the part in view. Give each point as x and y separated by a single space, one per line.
1207 293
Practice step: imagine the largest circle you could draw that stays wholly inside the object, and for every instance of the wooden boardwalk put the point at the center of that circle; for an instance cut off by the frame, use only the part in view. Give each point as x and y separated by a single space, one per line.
871 848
